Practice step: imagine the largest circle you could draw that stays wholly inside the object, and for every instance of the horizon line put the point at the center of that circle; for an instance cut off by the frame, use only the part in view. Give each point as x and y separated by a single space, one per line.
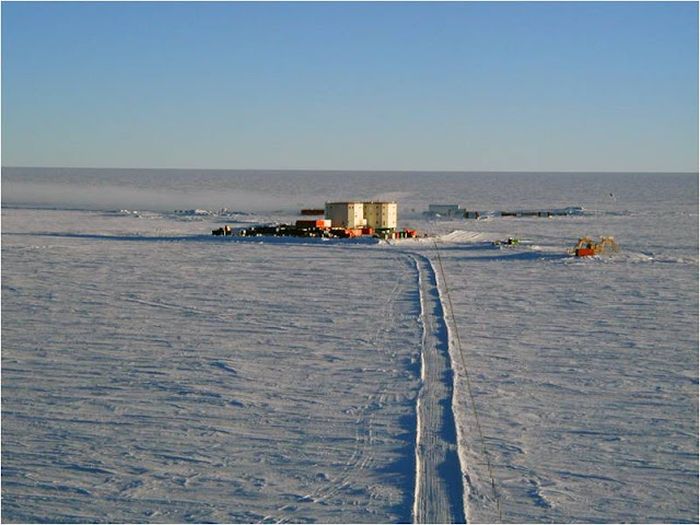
341 170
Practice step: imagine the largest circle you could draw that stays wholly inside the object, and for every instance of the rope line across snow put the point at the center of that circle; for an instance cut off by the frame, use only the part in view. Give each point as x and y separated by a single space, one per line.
469 386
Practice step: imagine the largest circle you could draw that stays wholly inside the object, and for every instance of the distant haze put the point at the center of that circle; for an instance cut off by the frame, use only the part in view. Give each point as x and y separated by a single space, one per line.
466 86
288 191
114 197
128 189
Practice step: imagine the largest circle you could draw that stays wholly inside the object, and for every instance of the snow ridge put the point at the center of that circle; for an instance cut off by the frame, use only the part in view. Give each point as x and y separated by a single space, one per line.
419 423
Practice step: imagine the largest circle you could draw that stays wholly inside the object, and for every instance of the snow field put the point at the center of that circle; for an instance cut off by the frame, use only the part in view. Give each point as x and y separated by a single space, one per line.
585 379
179 382
152 373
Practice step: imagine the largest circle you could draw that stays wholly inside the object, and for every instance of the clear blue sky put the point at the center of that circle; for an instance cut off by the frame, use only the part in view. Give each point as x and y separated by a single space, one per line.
405 86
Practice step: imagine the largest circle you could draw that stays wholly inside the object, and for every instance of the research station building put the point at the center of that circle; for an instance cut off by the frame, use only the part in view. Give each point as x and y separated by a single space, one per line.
345 214
381 215
376 215
448 210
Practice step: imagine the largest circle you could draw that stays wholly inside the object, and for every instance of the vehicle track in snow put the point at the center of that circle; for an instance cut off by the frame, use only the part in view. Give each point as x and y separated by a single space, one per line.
438 494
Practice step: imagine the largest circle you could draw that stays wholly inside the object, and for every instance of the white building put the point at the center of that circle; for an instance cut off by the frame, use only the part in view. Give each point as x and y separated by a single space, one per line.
345 214
381 214
376 215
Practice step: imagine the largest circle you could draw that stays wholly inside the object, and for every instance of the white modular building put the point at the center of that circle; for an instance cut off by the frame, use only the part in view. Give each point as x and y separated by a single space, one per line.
377 215
381 215
345 214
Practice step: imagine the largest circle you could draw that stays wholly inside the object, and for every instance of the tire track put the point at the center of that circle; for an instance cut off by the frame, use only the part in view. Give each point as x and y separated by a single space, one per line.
439 485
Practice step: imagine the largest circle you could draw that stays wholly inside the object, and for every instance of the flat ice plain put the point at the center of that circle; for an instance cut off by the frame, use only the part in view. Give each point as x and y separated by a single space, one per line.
153 373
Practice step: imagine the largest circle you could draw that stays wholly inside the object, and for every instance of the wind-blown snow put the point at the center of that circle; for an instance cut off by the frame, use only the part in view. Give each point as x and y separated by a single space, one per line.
154 373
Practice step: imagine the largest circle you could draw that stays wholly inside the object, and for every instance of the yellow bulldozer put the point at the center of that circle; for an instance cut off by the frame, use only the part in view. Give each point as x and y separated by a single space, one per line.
587 247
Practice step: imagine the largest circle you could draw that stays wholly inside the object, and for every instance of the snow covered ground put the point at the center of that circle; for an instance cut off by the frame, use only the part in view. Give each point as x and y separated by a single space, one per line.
586 385
154 373
187 381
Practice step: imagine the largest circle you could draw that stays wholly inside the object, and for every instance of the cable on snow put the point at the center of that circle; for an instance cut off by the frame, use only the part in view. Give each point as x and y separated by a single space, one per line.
496 496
